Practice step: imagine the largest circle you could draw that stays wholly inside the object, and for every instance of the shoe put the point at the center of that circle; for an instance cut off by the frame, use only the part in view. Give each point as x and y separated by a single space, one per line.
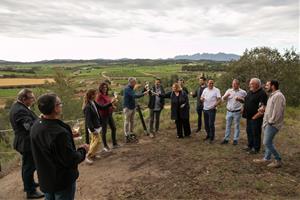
88 161
115 146
247 149
235 142
211 141
207 137
106 149
275 164
253 151
151 135
179 137
97 156
34 195
187 136
197 130
224 142
261 161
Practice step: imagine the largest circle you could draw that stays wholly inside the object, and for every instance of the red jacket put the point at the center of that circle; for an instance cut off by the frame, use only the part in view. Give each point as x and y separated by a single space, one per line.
103 100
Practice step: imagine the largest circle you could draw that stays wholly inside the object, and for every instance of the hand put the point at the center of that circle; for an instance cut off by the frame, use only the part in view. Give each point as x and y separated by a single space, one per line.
191 93
41 116
227 95
202 99
85 146
146 92
114 100
240 99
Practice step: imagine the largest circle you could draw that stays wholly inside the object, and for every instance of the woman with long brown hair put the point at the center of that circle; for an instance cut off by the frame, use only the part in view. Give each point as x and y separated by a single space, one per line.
107 116
93 123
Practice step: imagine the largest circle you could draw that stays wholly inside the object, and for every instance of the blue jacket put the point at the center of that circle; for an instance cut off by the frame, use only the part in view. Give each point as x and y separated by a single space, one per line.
129 97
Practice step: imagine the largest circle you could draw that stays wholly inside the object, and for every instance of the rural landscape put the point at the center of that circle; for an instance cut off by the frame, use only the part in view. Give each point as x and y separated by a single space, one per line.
162 167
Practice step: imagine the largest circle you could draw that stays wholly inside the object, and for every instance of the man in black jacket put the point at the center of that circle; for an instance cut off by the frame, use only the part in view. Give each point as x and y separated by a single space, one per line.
54 151
156 104
198 92
21 119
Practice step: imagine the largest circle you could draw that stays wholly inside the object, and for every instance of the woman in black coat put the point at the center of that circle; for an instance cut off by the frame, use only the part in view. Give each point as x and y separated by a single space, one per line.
93 123
180 109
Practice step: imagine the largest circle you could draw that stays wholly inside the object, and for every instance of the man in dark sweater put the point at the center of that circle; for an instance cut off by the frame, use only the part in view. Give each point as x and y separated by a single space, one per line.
54 151
21 119
198 92
255 100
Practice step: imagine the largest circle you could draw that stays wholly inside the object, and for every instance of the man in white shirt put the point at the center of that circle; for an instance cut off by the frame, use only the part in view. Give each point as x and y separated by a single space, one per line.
211 98
234 108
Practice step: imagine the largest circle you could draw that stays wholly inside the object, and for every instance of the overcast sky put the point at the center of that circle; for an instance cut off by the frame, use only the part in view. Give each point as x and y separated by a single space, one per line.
67 29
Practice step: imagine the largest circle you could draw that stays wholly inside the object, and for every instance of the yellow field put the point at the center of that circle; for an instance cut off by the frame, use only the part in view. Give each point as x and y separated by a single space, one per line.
5 82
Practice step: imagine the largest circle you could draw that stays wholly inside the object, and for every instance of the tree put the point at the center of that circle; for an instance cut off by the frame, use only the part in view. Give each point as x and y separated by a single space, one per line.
267 64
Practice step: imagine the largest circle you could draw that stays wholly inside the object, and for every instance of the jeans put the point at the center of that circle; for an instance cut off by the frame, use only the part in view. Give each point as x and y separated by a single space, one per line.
28 168
253 129
66 194
209 121
235 117
199 111
109 120
154 117
269 134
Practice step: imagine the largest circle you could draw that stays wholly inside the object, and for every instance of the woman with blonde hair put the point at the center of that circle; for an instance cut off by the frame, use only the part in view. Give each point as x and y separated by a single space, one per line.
180 109
93 123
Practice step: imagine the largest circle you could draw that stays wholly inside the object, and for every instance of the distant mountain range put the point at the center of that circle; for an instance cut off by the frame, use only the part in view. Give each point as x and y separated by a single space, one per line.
197 56
208 56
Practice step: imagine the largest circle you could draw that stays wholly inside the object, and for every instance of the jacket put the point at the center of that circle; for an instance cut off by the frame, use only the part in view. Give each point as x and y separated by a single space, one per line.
178 112
152 98
92 115
54 154
21 119
129 97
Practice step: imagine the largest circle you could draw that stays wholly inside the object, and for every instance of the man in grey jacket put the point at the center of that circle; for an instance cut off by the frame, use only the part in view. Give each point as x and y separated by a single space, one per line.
272 123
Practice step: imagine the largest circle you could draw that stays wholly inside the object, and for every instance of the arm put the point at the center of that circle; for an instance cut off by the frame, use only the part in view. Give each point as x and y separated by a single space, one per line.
279 104
218 98
166 95
67 155
103 106
23 119
88 118
226 95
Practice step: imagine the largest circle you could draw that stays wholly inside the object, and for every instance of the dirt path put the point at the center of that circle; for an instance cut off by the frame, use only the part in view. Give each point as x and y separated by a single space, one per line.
169 168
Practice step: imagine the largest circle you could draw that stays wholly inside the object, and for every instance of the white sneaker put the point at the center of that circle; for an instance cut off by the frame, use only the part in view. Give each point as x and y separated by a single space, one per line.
88 161
106 149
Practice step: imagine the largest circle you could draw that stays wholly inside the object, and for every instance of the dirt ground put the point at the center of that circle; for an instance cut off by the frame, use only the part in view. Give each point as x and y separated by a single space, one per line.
169 168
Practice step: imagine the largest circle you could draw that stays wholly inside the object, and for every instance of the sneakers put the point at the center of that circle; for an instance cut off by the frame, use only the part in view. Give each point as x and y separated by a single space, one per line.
152 135
261 161
88 161
34 195
224 142
115 146
275 164
106 149
252 151
235 142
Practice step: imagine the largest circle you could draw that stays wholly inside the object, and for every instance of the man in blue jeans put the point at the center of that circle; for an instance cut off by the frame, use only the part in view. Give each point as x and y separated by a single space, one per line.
211 98
273 121
234 108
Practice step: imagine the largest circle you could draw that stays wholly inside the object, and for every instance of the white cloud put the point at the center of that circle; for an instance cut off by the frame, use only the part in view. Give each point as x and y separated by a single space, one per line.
34 30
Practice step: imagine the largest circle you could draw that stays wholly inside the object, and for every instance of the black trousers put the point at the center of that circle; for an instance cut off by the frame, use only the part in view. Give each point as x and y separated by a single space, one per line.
154 120
209 120
254 127
183 127
109 120
28 168
199 111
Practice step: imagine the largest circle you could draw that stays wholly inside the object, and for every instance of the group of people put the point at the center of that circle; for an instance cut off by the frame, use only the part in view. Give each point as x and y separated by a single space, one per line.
46 143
